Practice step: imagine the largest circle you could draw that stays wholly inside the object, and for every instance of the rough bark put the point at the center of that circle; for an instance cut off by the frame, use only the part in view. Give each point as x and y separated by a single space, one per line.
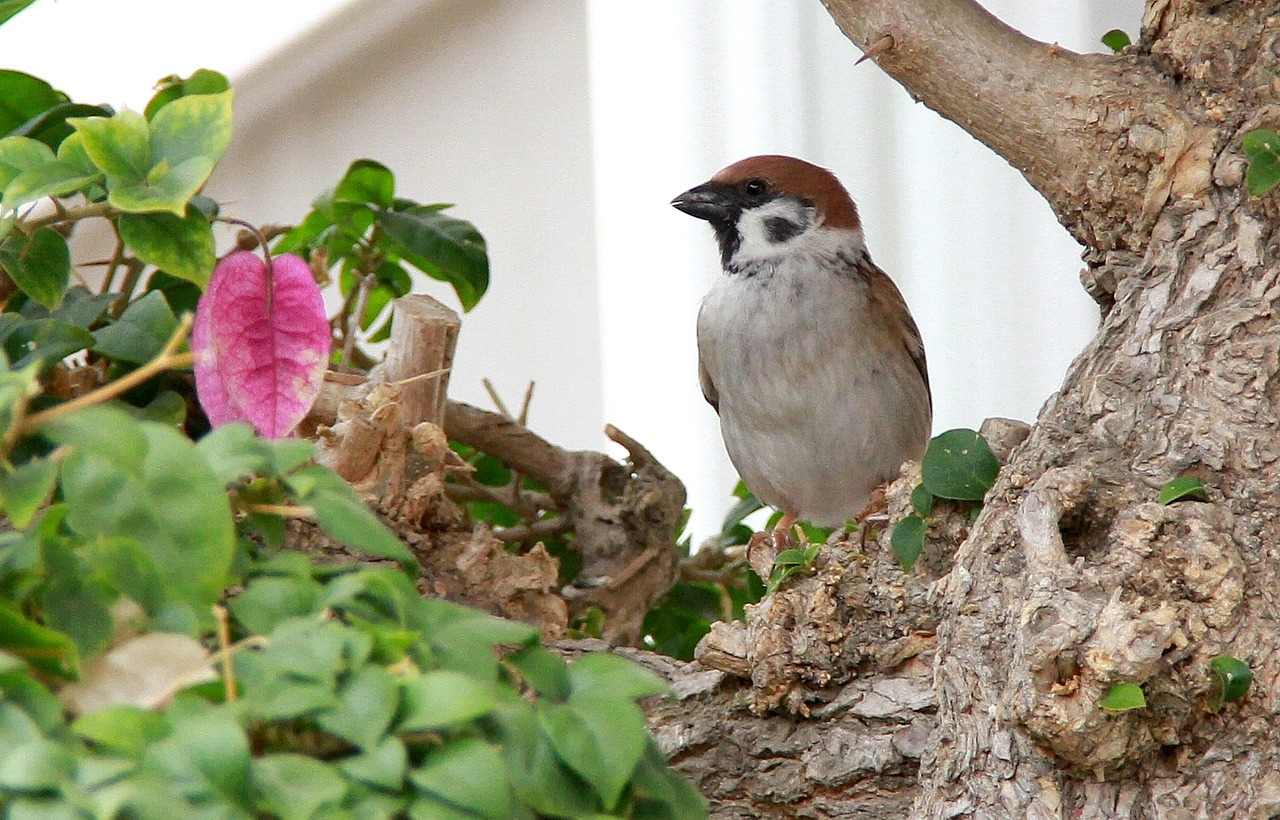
1073 578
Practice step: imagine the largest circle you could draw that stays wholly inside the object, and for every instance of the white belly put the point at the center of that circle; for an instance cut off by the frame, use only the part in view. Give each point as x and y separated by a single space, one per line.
814 413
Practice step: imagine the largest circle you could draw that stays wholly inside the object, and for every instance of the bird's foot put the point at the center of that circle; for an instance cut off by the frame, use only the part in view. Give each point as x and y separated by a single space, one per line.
878 504
763 548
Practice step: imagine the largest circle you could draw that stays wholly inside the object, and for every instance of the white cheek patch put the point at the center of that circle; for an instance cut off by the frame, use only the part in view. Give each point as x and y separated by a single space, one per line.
772 229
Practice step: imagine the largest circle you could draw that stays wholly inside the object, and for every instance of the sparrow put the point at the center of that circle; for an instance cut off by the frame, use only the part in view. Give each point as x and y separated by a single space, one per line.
806 349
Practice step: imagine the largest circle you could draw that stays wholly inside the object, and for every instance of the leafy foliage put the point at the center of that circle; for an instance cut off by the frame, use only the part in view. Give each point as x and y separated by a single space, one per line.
317 690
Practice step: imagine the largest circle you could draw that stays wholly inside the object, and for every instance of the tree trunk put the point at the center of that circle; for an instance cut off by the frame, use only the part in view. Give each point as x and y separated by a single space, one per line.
1073 578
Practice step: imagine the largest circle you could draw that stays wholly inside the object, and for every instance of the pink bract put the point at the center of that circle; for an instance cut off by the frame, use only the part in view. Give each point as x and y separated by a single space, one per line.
258 365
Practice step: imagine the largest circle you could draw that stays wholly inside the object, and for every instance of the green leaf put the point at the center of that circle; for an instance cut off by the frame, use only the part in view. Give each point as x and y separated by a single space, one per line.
140 333
124 729
35 766
39 264
1232 677
367 702
383 767
193 127
119 145
907 541
959 464
367 182
179 245
21 154
543 670
1116 40
467 775
341 513
233 451
266 602
22 96
8 8
295 787
162 494
24 490
602 739
601 675
53 178
443 698
44 342
1122 697
1262 146
661 792
45 649
203 81
50 126
75 603
442 247
922 501
166 188
1183 488
539 777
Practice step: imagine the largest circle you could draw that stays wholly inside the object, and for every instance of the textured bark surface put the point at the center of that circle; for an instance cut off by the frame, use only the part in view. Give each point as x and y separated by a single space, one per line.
1073 578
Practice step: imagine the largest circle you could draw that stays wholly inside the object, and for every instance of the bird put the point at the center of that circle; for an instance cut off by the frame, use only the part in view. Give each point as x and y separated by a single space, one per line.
806 349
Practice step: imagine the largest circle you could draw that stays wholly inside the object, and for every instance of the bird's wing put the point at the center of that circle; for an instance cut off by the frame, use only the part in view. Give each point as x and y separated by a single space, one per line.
893 308
915 349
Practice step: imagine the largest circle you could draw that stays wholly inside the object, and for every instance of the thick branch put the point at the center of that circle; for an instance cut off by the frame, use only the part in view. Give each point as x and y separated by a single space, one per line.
1106 140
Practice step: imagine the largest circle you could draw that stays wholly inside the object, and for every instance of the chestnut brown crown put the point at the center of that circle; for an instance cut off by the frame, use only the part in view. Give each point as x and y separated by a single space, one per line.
788 175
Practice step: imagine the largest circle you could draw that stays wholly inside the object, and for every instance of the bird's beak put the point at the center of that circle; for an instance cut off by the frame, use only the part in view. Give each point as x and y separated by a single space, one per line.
707 201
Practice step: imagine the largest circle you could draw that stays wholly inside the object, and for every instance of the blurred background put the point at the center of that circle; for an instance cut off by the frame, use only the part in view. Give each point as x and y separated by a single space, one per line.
563 128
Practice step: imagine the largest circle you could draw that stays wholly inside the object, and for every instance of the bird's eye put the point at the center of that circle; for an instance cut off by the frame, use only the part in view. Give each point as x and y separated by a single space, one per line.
756 187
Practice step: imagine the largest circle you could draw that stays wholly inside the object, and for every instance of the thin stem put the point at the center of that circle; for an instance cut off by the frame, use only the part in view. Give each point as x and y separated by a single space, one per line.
224 650
68 215
266 257
363 287
117 258
166 359
282 510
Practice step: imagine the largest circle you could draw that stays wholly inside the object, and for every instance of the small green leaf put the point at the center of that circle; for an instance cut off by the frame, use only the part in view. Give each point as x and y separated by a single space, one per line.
21 154
959 464
1183 488
35 766
367 182
24 490
1122 697
166 188
39 264
140 333
469 776
922 501
599 674
907 541
441 246
266 602
341 513
435 700
1116 40
1233 677
195 126
296 787
1262 146
543 670
203 81
178 245
382 767
53 178
367 702
602 739
45 649
125 729
22 96
119 146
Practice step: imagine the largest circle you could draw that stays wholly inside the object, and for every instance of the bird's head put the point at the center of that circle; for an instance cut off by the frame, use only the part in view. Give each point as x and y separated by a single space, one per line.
768 206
